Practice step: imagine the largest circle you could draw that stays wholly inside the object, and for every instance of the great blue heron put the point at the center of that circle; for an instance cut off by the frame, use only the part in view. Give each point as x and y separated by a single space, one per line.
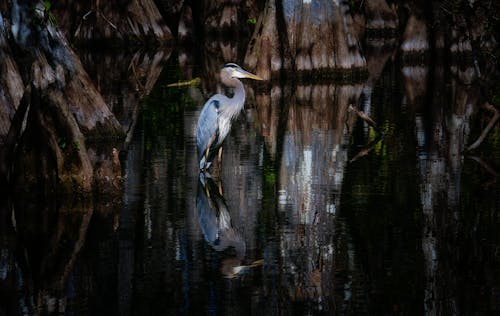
218 114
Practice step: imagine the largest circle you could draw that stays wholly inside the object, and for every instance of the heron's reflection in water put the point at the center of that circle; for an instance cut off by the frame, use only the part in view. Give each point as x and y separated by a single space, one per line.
215 224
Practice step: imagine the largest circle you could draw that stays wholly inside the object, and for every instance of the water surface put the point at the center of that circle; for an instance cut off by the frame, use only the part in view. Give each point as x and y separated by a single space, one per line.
313 210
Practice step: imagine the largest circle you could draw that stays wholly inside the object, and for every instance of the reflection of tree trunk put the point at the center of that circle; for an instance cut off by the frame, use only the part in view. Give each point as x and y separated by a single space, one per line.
133 197
56 235
415 38
185 31
440 160
16 284
71 229
268 110
305 36
377 53
170 10
379 16
415 82
309 187
442 129
123 79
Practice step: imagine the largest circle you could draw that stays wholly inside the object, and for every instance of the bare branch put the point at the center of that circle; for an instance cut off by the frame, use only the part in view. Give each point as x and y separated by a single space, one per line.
365 117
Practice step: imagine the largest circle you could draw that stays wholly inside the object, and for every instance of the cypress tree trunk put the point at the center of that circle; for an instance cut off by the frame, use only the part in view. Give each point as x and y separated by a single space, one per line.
60 110
305 36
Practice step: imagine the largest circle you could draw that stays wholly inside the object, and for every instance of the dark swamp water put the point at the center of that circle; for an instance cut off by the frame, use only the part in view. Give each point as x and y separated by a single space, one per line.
313 211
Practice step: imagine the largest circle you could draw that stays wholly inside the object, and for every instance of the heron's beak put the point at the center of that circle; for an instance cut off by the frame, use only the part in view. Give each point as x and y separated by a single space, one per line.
245 74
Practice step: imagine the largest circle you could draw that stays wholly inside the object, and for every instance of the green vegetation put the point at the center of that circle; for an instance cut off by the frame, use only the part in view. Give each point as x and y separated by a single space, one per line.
65 145
48 16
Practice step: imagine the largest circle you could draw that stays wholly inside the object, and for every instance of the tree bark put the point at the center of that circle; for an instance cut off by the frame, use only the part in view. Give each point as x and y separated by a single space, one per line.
305 36
64 109
117 21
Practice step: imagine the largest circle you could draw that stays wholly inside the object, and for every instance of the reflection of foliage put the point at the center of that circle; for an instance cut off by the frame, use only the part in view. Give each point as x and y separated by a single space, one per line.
163 108
380 204
269 175
267 221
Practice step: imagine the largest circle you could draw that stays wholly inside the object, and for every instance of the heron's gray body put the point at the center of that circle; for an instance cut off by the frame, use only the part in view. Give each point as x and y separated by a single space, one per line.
218 113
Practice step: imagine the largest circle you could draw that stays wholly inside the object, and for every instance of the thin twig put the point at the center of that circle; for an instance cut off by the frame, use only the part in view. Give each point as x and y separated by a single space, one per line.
136 76
490 125
86 15
109 22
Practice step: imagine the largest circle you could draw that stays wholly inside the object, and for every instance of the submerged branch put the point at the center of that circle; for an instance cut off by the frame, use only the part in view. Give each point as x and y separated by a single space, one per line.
487 129
370 146
367 149
365 117
488 168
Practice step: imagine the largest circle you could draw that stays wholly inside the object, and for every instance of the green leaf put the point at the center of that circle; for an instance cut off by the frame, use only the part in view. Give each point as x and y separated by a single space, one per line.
47 5
252 21
52 19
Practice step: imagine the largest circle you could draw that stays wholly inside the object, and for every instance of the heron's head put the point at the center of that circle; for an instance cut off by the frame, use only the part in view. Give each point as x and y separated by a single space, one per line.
236 71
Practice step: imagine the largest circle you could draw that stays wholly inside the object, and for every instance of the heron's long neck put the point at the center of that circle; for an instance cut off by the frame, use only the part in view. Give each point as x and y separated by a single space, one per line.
238 98
239 93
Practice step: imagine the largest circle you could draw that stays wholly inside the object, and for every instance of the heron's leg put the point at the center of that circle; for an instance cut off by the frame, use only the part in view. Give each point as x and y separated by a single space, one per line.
212 139
207 192
206 157
220 188
220 155
206 152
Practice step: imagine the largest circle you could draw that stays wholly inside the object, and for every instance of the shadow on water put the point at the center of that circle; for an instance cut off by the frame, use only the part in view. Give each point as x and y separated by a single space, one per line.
319 212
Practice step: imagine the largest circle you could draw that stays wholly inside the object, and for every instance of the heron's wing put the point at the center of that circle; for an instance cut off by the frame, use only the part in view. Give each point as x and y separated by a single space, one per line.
208 124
